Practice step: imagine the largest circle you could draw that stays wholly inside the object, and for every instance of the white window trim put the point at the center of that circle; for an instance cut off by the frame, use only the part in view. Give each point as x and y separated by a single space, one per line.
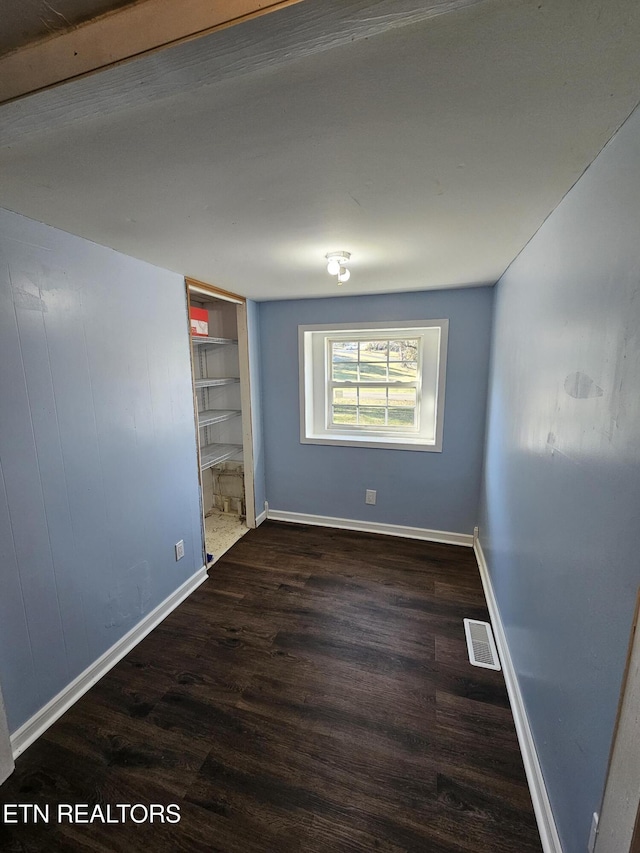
314 428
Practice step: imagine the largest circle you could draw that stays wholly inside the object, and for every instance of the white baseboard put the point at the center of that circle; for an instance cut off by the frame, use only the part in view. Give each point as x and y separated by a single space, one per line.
46 716
541 804
263 515
441 536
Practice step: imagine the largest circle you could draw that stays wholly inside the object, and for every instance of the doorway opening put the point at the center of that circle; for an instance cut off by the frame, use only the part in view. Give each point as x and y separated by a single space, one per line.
222 404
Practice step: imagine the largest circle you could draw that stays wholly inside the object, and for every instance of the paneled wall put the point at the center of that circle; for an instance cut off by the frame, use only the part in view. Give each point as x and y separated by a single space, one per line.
98 471
561 492
437 491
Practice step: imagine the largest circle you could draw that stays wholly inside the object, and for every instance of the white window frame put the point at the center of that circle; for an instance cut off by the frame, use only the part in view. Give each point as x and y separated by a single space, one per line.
314 343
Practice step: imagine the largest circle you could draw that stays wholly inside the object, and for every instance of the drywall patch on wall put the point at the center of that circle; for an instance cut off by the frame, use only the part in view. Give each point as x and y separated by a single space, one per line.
131 598
29 298
580 386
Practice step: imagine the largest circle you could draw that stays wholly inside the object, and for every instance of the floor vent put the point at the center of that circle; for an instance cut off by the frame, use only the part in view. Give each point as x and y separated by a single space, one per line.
481 645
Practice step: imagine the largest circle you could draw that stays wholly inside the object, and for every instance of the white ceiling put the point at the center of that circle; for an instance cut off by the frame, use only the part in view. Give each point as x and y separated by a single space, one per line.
430 146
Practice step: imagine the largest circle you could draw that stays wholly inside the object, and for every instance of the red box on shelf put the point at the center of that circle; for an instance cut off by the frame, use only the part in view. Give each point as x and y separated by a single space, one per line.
199 322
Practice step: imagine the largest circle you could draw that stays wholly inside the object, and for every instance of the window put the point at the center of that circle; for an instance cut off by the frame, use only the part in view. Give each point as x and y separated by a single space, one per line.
373 384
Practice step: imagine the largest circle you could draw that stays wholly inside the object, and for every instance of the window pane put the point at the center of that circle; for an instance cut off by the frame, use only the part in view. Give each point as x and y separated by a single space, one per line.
402 417
344 351
405 370
373 350
371 396
373 372
345 415
372 416
410 351
406 350
345 372
402 397
345 396
395 350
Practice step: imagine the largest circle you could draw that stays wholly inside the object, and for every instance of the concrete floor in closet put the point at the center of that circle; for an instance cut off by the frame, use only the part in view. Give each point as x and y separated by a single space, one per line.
222 530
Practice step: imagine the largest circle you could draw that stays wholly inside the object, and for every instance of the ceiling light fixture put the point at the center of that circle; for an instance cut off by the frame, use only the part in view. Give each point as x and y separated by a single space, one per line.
337 265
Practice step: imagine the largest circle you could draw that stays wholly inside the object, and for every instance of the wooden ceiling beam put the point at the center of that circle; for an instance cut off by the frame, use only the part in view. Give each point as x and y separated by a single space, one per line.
120 36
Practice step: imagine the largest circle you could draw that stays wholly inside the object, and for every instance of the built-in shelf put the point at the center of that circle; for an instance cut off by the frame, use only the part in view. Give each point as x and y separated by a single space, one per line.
221 342
210 383
216 416
212 454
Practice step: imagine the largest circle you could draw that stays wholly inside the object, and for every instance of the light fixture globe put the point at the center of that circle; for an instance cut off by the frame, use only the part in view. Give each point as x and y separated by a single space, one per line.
333 267
336 265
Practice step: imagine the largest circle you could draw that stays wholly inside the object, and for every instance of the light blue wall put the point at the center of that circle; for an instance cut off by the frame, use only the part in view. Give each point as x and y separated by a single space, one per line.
438 491
98 472
561 494
255 382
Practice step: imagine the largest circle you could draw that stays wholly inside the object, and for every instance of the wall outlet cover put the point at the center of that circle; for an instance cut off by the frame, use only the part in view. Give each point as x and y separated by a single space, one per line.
179 550
370 496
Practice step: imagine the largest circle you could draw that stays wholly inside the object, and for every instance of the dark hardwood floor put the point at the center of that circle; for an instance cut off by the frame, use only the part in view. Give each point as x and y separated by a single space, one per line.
313 695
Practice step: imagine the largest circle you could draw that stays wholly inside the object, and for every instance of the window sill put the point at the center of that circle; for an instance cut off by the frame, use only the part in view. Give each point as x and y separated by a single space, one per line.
373 441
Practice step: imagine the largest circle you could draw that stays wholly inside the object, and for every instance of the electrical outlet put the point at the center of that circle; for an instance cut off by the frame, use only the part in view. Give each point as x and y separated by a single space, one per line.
179 550
370 496
593 833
